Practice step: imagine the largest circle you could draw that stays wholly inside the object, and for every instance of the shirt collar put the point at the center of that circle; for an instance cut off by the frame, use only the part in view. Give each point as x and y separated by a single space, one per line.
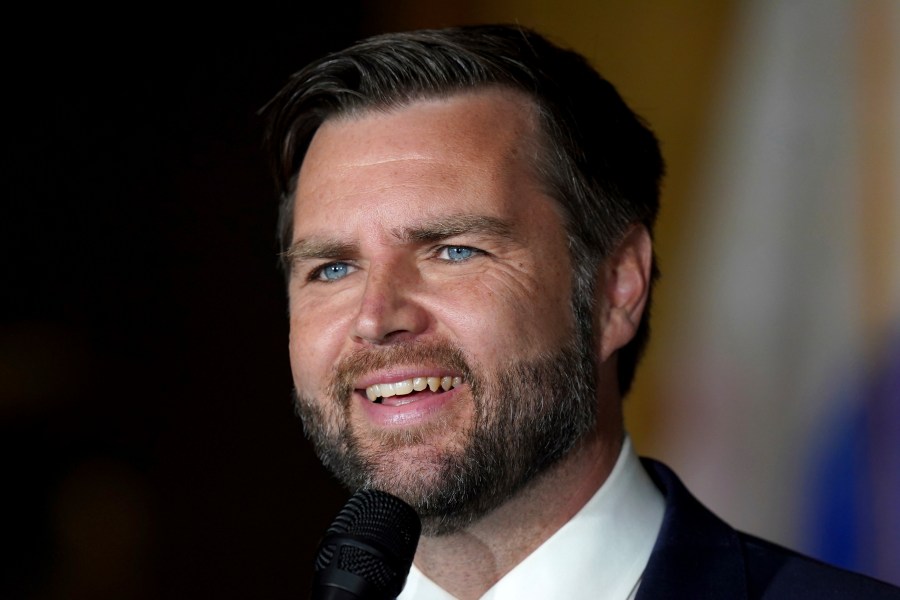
602 550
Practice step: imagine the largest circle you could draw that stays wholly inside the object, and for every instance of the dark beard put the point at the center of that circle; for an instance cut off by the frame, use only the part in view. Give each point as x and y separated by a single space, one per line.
525 419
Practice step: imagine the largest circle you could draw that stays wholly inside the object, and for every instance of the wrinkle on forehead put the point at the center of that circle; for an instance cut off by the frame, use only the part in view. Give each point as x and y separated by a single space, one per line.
393 159
344 165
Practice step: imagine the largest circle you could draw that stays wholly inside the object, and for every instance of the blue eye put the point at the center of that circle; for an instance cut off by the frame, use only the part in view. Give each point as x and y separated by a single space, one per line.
332 271
457 253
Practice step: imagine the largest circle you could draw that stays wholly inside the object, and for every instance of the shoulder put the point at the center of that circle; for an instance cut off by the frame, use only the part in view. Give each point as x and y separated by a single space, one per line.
697 555
774 569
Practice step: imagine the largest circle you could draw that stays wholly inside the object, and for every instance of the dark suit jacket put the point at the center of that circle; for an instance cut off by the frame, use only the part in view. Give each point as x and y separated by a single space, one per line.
698 556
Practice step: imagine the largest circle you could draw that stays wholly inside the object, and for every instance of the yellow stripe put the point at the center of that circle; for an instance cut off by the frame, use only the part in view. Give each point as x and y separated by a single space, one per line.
877 74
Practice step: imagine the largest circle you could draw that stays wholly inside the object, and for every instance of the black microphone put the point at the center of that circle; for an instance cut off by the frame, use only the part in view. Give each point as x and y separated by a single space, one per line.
368 550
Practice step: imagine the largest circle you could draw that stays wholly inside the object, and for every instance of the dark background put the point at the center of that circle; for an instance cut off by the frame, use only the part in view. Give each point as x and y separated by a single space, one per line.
149 446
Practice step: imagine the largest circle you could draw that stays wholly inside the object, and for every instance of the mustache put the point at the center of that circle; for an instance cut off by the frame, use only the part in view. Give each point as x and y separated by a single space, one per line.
441 354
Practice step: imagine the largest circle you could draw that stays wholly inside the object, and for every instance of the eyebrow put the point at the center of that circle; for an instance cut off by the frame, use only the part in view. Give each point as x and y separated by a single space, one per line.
440 229
447 227
317 248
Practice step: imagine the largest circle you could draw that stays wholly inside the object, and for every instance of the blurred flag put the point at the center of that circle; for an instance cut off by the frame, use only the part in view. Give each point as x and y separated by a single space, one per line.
783 369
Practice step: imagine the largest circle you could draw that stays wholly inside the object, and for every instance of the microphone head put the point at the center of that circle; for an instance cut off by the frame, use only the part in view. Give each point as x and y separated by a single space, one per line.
368 550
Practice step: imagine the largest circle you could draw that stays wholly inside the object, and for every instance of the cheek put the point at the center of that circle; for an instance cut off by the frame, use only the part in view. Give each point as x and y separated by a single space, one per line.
300 356
314 343
498 317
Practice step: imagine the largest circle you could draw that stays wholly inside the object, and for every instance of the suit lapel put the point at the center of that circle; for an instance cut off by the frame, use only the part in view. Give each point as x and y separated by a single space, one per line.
696 554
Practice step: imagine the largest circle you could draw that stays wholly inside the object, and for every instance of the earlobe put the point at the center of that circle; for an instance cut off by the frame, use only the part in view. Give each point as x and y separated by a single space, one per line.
622 289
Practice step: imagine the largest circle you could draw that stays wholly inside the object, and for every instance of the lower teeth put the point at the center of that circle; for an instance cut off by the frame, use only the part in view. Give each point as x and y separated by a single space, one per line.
380 399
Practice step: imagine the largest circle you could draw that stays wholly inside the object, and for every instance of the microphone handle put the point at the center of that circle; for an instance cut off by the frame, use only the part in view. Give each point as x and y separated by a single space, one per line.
343 585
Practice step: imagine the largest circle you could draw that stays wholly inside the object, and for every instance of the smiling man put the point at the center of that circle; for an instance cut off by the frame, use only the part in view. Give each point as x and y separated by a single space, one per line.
466 224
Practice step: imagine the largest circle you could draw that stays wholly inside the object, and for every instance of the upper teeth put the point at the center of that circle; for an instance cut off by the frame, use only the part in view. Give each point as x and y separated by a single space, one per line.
401 388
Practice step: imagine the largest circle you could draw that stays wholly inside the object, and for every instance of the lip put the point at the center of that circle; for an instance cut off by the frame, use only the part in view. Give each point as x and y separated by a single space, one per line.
410 414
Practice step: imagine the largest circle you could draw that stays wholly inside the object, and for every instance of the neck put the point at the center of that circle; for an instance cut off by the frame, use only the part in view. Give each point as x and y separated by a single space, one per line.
469 562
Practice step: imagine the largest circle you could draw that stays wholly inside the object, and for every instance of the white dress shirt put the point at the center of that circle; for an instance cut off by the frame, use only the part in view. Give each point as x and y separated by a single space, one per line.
600 553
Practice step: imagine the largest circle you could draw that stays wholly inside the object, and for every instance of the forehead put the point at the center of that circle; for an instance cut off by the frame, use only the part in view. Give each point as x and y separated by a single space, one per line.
488 122
480 147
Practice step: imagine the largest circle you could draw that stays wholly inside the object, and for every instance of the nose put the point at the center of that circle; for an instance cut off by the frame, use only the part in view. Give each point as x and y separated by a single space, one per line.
388 310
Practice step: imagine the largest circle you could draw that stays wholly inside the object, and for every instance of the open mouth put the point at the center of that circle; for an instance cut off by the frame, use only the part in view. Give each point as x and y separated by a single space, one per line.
402 392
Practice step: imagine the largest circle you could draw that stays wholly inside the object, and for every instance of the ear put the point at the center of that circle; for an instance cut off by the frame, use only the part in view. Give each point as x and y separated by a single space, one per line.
622 290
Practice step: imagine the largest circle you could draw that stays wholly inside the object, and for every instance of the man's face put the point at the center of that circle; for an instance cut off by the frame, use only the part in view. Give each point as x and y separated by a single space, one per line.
425 254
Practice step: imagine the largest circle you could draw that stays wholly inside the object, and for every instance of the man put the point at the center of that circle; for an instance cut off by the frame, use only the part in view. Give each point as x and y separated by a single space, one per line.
466 222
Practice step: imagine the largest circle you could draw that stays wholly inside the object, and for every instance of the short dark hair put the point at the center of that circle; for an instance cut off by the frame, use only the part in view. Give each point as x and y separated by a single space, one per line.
599 160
